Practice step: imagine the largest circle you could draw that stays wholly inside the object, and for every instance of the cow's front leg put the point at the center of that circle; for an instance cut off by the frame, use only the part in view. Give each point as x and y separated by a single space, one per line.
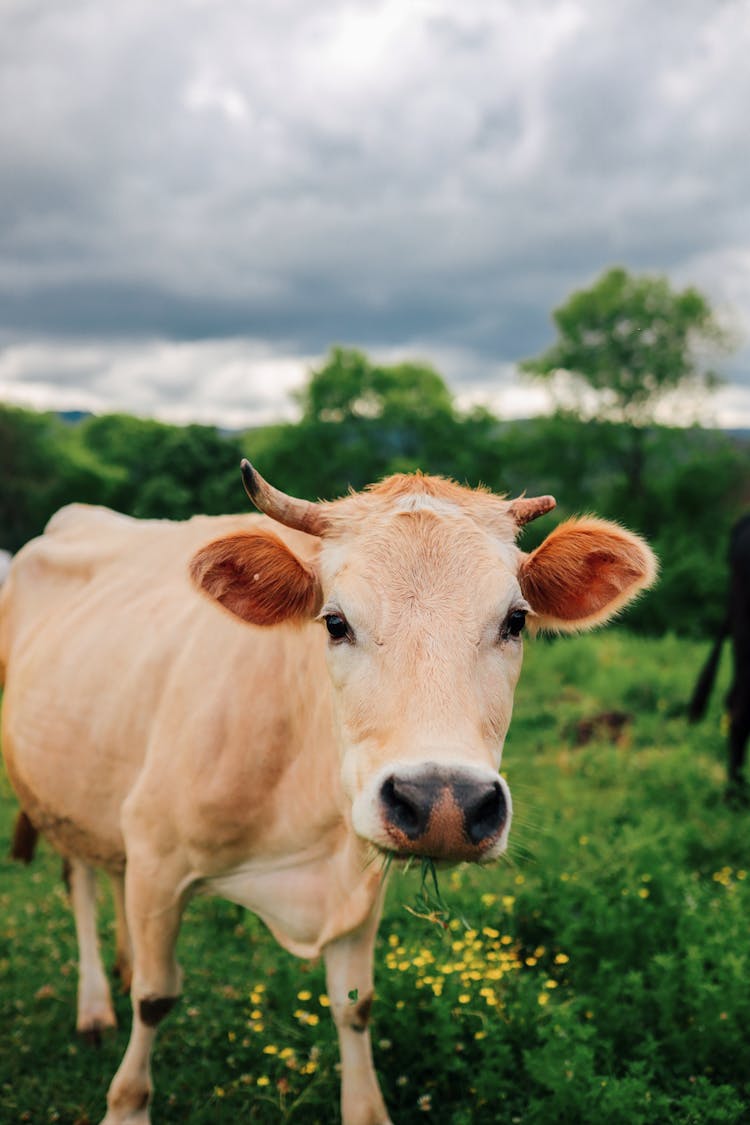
350 988
155 898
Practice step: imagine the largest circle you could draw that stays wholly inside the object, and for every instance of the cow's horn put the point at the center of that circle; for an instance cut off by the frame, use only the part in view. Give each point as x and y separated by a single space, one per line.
300 514
527 508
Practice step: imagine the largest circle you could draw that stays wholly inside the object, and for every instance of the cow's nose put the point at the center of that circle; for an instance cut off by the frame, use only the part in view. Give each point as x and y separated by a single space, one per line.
407 805
443 813
484 812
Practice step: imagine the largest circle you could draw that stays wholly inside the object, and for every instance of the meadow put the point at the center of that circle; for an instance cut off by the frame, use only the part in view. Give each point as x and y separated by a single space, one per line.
599 974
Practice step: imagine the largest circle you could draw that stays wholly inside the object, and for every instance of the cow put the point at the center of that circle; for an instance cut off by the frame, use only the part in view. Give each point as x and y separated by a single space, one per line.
257 707
736 623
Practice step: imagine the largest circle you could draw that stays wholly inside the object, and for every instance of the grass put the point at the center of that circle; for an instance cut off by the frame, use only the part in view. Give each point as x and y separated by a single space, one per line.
599 974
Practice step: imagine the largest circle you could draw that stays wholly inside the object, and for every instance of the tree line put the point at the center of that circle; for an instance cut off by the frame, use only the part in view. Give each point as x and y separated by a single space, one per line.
360 420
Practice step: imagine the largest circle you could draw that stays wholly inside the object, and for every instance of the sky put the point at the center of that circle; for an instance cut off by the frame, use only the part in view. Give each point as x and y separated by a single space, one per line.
199 197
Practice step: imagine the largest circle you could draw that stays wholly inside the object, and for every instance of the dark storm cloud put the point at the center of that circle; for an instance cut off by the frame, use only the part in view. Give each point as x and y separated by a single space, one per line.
378 173
306 320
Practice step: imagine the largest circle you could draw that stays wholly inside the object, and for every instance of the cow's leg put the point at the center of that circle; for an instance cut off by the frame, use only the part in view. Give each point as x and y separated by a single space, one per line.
739 732
350 988
95 1011
123 949
154 898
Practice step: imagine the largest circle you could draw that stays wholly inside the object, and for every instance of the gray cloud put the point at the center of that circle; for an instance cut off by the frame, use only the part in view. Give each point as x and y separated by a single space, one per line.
391 175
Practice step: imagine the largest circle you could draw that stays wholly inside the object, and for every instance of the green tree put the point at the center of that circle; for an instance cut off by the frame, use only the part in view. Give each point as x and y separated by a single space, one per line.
129 445
624 346
350 386
163 471
195 470
360 422
629 342
43 465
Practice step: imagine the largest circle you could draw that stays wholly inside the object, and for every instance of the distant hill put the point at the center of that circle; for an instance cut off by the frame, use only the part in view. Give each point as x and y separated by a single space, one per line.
73 416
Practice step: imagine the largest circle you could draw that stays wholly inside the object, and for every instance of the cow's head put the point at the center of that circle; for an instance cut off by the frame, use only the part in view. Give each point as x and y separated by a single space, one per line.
424 595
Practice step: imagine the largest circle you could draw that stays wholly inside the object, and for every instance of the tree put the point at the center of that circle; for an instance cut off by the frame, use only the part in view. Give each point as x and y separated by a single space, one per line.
350 386
165 471
361 421
627 343
43 465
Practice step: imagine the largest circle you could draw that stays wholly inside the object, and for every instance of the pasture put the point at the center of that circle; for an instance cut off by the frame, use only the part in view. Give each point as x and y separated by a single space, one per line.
599 974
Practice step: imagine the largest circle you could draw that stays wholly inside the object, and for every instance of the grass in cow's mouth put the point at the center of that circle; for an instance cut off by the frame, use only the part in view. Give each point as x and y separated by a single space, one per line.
429 903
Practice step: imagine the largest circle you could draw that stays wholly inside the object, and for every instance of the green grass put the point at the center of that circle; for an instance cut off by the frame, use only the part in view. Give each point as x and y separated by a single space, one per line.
603 978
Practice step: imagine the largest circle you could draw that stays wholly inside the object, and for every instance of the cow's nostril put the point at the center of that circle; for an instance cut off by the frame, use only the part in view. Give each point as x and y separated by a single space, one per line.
403 808
485 816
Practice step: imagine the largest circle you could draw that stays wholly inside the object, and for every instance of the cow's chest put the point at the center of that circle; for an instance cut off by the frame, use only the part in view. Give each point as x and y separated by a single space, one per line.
305 900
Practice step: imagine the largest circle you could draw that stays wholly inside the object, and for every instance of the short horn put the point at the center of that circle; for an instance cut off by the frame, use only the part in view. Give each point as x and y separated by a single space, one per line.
527 508
302 515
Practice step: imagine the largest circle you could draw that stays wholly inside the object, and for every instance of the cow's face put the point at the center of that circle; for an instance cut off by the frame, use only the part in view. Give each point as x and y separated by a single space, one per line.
423 597
424 616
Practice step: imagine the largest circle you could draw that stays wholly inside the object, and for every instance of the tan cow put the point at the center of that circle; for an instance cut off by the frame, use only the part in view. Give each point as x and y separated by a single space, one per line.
352 697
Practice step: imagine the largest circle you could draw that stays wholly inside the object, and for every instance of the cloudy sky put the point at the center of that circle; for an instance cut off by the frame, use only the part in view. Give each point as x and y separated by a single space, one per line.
199 197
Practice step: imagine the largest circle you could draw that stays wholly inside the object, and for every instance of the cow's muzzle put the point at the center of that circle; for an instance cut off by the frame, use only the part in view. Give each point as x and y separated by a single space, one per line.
444 813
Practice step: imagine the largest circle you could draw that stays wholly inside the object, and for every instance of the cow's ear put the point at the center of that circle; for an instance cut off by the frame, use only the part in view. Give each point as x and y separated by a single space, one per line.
257 578
584 572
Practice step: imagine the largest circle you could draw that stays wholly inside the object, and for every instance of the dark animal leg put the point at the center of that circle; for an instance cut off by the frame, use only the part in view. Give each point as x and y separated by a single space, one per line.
25 837
739 732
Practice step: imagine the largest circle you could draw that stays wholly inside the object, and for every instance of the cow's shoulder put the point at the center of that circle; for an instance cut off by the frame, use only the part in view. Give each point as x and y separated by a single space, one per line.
77 517
79 539
94 556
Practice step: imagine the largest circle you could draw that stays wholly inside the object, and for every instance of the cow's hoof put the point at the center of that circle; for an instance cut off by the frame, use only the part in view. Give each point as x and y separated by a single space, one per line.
92 1028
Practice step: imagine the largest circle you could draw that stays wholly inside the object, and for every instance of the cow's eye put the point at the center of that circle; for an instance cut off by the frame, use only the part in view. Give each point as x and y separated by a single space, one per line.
337 626
514 624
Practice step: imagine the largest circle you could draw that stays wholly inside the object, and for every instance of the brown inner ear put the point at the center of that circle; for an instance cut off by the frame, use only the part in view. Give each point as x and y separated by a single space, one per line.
256 577
576 588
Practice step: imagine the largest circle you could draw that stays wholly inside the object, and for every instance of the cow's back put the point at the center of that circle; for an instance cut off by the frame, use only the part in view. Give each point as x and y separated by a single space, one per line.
107 647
